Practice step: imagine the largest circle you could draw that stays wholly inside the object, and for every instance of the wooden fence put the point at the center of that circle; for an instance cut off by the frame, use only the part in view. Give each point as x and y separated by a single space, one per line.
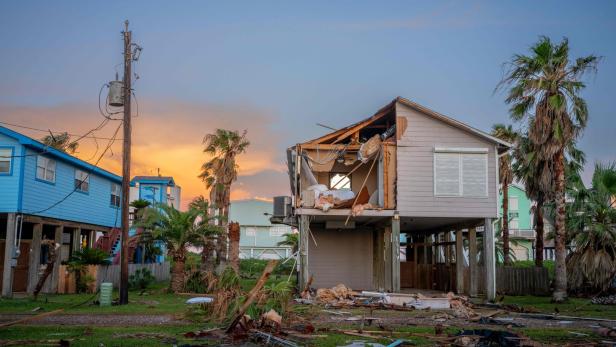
111 273
509 280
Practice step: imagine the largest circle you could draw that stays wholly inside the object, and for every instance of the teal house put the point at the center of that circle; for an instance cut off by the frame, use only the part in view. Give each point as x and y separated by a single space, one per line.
521 230
258 237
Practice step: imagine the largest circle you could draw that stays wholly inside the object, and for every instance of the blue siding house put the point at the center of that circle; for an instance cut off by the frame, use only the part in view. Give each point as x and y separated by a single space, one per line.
48 194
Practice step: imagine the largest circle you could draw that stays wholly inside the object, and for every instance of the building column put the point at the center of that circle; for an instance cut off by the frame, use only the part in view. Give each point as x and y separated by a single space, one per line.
9 261
388 251
76 240
395 253
304 238
472 261
35 257
459 262
56 266
490 259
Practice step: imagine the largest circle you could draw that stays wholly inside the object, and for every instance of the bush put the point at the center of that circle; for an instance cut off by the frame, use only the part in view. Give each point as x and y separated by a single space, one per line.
142 279
90 256
252 268
548 264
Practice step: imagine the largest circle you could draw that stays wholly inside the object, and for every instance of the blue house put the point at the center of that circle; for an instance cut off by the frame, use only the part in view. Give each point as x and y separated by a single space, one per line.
48 194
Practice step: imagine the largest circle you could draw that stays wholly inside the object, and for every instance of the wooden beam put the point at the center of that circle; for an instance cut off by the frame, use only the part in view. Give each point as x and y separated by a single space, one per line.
56 268
57 222
35 257
459 262
490 259
325 146
304 239
472 261
9 249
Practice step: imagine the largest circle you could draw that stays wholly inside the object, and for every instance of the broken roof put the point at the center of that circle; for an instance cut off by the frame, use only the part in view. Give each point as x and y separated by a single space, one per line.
338 135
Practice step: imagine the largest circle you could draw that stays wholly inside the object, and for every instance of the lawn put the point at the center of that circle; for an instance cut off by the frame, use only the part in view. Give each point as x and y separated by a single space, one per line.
579 307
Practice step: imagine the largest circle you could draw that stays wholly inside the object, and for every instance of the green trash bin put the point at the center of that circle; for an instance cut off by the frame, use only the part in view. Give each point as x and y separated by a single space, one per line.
105 294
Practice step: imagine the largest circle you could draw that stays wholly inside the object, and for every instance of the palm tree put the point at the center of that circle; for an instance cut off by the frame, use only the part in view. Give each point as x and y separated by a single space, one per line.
592 221
207 242
545 88
505 133
60 142
219 173
177 230
291 240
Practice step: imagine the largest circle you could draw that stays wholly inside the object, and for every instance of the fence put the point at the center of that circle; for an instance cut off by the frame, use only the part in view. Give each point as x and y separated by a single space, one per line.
111 273
509 280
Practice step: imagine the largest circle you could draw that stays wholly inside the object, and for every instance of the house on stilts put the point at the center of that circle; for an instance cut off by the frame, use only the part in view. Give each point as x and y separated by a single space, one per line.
406 170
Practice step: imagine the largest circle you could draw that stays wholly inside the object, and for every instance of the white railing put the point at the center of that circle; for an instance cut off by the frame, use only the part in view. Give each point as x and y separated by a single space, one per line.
522 233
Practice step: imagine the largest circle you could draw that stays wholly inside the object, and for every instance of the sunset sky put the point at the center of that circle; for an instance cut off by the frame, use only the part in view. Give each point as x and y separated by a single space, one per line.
277 68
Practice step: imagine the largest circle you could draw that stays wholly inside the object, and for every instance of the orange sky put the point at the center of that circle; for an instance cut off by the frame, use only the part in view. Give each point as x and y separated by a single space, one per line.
168 135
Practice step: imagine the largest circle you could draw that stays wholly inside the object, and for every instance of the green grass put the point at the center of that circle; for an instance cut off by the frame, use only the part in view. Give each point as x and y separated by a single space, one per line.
157 301
578 307
93 336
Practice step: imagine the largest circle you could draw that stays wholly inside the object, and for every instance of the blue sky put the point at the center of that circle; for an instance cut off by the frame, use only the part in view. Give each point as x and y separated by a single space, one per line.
280 67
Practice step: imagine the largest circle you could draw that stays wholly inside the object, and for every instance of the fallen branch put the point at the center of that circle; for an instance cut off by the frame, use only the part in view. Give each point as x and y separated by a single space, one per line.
252 295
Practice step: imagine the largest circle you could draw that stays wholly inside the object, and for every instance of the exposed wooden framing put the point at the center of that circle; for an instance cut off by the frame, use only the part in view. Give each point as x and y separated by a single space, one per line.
7 270
350 129
472 261
395 252
389 175
57 222
459 262
387 252
35 257
325 146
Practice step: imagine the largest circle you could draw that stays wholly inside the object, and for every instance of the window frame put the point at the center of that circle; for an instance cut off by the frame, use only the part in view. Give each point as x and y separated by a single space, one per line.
112 195
517 202
46 169
11 155
331 176
460 152
78 188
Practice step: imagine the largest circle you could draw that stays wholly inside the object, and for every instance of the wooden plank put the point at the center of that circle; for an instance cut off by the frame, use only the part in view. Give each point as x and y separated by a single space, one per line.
395 252
474 280
459 262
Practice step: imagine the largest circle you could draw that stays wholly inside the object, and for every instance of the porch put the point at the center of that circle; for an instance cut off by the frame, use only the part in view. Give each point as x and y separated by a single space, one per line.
23 257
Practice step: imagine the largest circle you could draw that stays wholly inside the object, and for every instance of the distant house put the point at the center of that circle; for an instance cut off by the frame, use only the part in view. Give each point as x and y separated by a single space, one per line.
521 229
258 237
48 194
156 189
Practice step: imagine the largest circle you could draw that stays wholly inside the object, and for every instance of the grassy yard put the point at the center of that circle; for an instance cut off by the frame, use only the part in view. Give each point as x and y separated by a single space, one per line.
579 307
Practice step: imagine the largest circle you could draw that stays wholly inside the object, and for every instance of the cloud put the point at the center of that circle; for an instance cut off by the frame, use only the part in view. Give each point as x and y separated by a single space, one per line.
167 135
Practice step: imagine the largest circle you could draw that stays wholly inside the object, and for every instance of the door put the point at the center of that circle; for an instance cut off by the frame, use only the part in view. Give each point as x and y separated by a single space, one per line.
20 274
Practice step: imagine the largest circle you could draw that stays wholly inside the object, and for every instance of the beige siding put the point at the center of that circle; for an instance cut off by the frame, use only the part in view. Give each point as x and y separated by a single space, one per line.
341 256
415 196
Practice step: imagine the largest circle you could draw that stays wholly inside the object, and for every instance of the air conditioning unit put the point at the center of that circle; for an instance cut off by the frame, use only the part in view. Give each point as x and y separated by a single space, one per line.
282 206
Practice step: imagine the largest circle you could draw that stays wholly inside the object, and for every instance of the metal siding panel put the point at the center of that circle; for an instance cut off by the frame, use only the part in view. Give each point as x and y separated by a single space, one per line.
415 157
93 207
341 257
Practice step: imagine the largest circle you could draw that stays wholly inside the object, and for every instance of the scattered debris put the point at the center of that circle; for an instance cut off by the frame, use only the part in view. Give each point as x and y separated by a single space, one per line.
199 300
271 340
604 300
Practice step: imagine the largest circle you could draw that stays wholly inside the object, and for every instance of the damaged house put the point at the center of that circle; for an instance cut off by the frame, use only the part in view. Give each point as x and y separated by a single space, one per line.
406 170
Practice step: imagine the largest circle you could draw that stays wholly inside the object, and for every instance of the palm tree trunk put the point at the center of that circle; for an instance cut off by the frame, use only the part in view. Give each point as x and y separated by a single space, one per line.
560 275
505 235
208 260
539 233
223 238
234 246
177 272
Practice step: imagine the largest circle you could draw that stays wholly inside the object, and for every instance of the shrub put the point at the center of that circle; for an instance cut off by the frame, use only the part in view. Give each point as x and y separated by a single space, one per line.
141 279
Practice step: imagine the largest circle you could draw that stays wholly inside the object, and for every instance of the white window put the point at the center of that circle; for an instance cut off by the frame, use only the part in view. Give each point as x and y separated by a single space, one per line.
513 203
116 192
252 232
339 181
6 155
45 169
82 181
278 231
461 173
514 225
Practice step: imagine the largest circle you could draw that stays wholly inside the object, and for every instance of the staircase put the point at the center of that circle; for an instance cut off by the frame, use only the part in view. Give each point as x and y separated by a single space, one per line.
109 242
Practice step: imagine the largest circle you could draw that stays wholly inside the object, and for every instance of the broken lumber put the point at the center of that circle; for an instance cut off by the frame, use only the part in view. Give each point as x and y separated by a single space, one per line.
252 295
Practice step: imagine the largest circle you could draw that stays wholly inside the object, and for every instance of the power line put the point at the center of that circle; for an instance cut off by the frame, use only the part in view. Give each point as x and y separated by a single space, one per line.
109 144
55 132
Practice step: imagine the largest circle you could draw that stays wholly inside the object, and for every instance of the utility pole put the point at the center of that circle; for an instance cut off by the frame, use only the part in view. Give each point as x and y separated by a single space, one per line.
126 148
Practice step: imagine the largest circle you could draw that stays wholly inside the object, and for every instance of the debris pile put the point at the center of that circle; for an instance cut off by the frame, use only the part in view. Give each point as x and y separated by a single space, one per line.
604 300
